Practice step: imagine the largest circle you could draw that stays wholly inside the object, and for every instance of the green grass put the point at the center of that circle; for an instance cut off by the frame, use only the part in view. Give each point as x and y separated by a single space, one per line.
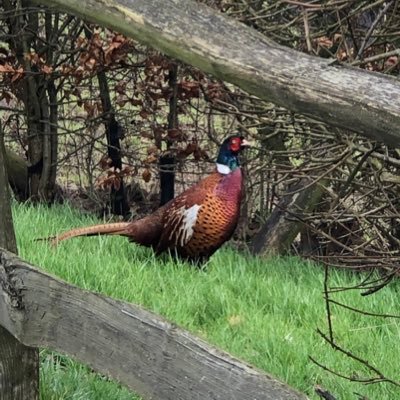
63 379
263 311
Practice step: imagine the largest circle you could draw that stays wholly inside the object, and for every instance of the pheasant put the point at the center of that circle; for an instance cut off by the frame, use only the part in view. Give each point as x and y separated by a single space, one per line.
194 224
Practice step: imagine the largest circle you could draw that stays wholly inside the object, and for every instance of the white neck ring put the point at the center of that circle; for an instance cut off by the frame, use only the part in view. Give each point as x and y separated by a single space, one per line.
223 169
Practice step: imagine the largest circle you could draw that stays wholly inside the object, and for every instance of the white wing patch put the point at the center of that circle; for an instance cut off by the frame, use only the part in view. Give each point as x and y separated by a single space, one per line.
184 221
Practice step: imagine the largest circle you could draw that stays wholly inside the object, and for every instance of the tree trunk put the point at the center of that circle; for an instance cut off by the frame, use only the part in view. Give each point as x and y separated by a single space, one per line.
285 222
360 101
7 235
17 175
19 364
118 201
167 161
39 95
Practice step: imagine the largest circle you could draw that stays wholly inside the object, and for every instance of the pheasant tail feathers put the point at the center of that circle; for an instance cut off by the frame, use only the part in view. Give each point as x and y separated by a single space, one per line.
119 228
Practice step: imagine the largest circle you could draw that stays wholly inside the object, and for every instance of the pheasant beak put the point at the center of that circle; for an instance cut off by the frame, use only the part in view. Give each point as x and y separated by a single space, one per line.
247 143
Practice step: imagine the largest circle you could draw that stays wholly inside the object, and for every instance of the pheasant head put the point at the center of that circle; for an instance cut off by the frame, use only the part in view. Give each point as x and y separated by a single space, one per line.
228 157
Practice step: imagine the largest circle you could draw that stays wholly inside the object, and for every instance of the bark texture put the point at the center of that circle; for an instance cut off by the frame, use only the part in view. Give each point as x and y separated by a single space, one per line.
167 161
7 235
39 95
17 175
19 365
118 201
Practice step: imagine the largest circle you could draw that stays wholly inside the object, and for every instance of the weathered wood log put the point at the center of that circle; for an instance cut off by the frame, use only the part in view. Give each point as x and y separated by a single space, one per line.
283 225
350 98
19 365
138 348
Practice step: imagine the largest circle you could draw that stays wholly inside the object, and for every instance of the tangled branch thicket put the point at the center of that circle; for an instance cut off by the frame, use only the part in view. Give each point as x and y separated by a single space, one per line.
355 224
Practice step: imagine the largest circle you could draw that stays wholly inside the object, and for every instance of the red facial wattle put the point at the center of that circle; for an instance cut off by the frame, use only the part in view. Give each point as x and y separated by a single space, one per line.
235 144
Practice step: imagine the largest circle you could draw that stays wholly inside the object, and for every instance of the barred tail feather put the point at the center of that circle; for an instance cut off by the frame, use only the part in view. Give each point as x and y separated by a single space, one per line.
118 228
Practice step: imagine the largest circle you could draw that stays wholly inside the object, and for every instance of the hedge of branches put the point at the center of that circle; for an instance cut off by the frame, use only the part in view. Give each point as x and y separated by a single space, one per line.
356 222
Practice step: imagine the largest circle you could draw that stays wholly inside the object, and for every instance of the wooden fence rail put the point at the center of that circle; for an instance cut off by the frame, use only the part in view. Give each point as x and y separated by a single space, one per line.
136 347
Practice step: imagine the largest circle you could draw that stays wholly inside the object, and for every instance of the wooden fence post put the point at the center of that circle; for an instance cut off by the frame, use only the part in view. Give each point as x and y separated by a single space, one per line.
19 364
